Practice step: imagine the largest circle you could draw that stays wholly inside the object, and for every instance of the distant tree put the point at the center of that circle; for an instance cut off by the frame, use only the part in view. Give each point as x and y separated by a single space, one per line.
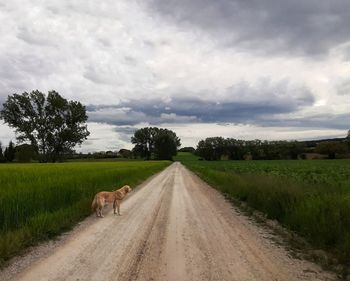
216 148
331 148
347 139
187 149
25 153
144 142
295 148
10 152
52 124
152 142
165 144
111 154
2 158
204 149
212 148
125 153
238 149
4 155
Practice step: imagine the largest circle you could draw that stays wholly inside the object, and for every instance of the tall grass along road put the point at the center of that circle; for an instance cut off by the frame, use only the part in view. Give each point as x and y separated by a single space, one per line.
39 201
175 227
311 198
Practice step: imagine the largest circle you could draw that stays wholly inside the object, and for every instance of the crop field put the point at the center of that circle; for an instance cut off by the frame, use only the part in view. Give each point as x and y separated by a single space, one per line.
310 197
39 201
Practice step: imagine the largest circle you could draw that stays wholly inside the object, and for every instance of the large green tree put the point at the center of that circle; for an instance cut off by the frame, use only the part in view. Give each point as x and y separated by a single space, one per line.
153 142
166 144
52 124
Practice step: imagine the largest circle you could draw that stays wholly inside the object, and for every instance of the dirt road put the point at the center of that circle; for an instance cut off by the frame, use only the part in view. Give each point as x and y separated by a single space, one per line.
173 228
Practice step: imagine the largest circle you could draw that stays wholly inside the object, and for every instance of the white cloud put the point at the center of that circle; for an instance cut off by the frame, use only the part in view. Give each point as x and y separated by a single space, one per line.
112 52
103 137
6 134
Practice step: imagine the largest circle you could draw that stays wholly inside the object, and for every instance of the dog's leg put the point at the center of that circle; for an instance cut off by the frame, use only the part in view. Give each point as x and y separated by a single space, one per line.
118 206
101 205
100 211
114 206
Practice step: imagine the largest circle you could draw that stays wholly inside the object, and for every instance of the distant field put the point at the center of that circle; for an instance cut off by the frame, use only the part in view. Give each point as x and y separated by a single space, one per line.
102 160
38 201
309 197
331 172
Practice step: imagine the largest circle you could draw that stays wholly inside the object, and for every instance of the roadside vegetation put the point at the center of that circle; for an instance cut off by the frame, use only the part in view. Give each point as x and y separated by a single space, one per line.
219 148
39 201
311 198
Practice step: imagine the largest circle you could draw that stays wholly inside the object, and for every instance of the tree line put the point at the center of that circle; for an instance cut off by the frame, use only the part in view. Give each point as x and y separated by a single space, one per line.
216 148
17 153
48 127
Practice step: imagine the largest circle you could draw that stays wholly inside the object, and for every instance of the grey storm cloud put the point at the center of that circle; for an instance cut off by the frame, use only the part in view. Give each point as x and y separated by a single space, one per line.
125 132
299 27
330 121
243 108
155 112
141 113
343 88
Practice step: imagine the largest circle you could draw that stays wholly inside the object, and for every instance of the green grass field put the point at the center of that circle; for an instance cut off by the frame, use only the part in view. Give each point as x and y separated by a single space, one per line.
39 201
311 198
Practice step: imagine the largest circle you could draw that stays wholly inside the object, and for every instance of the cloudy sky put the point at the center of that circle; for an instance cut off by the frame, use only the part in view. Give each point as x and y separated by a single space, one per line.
267 69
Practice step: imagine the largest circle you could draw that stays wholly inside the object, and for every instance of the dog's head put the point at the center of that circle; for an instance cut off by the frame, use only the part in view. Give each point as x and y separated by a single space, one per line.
127 188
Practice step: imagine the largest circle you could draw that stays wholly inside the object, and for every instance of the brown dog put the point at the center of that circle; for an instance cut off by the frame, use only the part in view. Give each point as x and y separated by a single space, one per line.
104 197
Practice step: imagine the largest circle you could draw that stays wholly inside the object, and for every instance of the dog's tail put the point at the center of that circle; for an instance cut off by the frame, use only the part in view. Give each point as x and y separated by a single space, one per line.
94 204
